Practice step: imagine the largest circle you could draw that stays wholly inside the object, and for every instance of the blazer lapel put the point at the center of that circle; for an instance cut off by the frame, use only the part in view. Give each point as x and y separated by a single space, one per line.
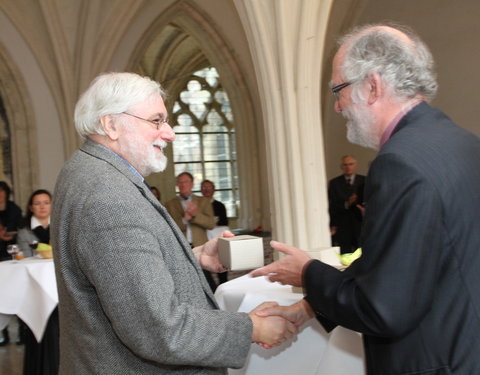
108 156
181 239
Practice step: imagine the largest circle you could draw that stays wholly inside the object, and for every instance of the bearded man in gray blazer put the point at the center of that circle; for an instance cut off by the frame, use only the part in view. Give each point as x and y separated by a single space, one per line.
414 291
132 295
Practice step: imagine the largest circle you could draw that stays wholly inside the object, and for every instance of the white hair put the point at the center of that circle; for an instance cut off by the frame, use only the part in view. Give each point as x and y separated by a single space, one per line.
111 93
407 67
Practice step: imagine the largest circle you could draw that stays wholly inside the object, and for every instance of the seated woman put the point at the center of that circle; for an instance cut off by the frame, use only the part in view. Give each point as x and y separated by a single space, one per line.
40 358
37 221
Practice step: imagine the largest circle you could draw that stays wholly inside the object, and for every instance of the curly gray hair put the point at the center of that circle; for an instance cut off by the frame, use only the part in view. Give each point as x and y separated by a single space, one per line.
407 67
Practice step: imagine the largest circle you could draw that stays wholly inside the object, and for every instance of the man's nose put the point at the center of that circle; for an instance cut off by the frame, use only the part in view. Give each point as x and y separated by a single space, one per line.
167 133
337 106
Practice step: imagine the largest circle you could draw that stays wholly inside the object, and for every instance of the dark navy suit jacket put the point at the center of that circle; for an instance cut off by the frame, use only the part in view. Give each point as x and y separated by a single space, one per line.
414 292
346 219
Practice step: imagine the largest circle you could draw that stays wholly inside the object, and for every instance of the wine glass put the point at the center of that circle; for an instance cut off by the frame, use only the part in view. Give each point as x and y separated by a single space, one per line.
33 245
13 250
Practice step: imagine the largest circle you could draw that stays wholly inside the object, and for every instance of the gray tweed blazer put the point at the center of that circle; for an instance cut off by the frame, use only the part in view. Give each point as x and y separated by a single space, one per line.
133 299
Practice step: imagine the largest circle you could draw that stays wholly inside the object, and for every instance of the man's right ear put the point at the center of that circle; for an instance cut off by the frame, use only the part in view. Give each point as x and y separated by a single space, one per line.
109 127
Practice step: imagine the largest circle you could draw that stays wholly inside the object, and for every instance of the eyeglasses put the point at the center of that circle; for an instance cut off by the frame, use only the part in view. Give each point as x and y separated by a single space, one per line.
336 89
158 123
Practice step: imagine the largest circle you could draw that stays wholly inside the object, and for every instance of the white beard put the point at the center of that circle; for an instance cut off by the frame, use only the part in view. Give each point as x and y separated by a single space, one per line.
361 126
144 157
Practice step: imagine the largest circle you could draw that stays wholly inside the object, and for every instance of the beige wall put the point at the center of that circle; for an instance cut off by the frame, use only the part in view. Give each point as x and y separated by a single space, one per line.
54 48
450 28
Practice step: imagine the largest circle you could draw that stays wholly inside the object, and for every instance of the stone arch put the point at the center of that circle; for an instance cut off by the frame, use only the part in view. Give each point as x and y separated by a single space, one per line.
182 40
19 118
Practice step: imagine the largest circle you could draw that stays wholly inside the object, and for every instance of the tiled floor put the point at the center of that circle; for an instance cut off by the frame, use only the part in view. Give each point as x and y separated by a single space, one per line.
11 355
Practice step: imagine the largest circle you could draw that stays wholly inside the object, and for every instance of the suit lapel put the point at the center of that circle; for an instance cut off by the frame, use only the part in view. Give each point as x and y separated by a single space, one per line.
181 239
108 156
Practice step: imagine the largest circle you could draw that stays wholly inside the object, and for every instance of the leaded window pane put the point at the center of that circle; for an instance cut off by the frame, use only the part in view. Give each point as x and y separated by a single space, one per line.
205 136
187 148
220 173
216 147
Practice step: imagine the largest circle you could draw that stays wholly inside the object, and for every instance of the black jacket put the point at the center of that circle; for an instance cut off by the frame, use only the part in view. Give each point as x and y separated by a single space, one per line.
414 292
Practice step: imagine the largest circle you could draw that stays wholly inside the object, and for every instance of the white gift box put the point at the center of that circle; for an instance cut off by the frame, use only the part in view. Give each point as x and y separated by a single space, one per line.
241 252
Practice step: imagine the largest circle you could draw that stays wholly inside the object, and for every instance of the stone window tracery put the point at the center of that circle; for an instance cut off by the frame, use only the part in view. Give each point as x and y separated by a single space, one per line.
205 136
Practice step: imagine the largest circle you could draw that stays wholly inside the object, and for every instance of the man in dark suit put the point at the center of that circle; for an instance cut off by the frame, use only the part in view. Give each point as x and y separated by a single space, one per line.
132 295
345 203
221 219
414 291
219 210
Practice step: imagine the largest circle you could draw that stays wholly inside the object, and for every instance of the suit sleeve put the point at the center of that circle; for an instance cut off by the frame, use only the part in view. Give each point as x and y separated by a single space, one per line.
175 210
220 211
204 217
331 203
390 288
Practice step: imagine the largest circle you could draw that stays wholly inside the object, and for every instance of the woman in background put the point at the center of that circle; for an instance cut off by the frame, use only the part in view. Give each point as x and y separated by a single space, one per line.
40 358
37 221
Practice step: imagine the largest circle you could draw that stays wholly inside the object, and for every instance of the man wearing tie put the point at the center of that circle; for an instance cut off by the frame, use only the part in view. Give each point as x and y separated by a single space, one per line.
345 197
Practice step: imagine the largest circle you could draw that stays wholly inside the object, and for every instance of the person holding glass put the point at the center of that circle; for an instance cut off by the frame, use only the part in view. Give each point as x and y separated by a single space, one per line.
37 222
40 358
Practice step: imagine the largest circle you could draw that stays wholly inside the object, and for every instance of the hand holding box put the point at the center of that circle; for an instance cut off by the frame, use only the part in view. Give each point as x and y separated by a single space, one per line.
241 252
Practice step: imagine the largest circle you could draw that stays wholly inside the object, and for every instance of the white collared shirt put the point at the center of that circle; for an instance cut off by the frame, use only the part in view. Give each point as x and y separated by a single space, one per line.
34 222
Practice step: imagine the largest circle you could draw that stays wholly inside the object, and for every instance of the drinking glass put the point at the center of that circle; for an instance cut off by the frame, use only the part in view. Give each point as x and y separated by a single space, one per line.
33 245
13 250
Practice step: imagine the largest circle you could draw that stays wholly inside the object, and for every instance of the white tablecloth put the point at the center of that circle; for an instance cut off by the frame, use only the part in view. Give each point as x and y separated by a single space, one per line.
29 290
313 351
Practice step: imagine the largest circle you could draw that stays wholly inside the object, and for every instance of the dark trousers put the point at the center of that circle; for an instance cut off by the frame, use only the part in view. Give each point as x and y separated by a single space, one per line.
211 281
42 358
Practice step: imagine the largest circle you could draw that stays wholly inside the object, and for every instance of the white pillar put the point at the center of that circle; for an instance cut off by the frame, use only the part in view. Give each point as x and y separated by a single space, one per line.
286 39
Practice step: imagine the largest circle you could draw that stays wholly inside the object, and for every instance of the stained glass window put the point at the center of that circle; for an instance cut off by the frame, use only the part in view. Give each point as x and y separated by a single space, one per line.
205 136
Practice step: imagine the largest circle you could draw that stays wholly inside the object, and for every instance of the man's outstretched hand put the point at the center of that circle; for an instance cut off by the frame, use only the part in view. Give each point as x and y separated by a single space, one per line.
287 270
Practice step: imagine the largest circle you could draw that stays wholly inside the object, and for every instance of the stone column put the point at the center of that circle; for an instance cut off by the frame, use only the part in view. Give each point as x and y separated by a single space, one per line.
286 41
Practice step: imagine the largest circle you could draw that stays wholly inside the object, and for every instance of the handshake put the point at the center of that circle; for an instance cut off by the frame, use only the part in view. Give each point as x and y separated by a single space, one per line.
274 324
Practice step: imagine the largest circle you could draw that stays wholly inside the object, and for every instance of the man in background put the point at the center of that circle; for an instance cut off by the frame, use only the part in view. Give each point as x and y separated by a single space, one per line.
132 296
413 293
345 199
207 188
193 215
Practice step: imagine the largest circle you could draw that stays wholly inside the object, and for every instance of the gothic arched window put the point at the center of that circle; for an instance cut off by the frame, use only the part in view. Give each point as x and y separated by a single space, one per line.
205 136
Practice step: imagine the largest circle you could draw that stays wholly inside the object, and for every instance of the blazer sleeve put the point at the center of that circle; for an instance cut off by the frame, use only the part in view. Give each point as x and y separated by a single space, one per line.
336 200
175 209
379 294
204 217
